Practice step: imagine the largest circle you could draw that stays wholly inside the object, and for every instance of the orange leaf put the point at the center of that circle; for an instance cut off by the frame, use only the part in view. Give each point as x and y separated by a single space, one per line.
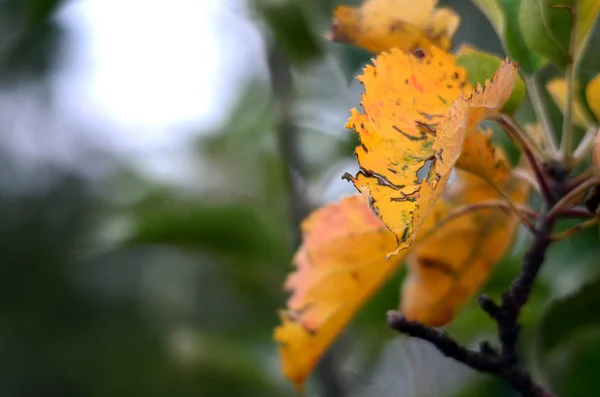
449 266
340 264
482 158
380 25
412 130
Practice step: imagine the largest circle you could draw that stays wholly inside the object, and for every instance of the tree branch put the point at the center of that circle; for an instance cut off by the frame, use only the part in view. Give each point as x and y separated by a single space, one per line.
504 362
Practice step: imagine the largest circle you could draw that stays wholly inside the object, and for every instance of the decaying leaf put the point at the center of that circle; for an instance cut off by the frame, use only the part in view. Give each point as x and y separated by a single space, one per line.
380 25
415 120
482 158
340 264
558 91
448 268
592 94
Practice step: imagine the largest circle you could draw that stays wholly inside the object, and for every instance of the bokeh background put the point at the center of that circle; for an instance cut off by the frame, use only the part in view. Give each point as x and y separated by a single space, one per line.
156 158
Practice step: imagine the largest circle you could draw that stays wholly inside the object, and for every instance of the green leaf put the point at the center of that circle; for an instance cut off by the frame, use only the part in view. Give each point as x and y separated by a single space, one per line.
504 16
564 336
234 229
481 66
539 22
292 28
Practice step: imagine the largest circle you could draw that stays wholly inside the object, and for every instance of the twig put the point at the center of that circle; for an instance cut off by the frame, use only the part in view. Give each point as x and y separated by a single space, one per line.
517 135
535 96
571 196
482 205
283 94
504 362
585 145
572 230
486 360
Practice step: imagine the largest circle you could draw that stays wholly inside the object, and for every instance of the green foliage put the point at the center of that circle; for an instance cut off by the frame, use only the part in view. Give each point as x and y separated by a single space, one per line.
535 19
293 31
504 16
481 66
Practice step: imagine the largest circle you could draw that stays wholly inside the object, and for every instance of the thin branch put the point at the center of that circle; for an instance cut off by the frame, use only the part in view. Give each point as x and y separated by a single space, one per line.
542 117
482 205
586 144
486 360
503 362
572 230
516 133
283 94
571 196
579 179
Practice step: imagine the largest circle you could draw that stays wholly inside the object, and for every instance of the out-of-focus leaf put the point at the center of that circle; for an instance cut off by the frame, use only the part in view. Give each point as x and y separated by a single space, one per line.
292 27
504 16
557 88
592 93
339 266
539 34
563 336
407 98
447 268
234 229
380 25
481 67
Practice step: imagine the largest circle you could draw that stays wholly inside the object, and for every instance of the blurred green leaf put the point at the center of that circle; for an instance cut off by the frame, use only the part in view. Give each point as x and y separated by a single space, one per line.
481 66
540 34
235 229
504 16
567 338
293 28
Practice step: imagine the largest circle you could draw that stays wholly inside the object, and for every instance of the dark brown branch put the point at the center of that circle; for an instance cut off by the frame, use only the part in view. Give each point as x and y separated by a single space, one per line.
504 362
487 360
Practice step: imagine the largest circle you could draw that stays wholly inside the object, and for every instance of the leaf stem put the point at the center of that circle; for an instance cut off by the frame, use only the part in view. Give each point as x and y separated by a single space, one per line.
584 147
571 196
542 116
482 205
572 230
570 75
516 133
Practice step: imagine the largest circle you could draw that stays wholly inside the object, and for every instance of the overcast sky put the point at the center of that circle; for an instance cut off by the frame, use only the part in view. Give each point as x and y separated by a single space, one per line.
155 66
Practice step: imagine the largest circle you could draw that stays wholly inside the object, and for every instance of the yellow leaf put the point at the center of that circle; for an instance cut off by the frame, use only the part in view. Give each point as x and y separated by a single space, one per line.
558 91
535 133
586 16
380 25
412 130
448 268
592 93
338 267
482 158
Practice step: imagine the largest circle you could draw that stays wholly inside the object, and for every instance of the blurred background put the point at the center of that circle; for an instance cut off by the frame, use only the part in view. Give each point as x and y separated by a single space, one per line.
156 158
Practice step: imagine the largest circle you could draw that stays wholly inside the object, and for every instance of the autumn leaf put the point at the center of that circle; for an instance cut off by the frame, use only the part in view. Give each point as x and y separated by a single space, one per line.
415 120
482 158
338 267
380 25
448 268
558 91
592 94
